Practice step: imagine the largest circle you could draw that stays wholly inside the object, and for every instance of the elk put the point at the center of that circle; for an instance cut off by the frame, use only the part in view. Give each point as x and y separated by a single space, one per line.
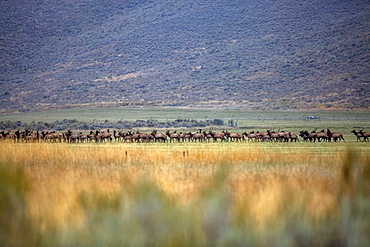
357 134
273 135
365 135
304 135
233 136
145 137
198 136
72 137
57 136
251 135
117 136
264 137
188 136
46 136
127 137
284 136
185 136
83 138
208 136
173 136
322 135
101 136
9 136
32 137
136 136
336 136
2 134
308 136
92 136
313 135
159 136
20 135
216 135
293 137
258 136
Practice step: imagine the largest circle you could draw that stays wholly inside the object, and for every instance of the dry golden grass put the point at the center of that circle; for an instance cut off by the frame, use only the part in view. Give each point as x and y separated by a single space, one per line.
259 181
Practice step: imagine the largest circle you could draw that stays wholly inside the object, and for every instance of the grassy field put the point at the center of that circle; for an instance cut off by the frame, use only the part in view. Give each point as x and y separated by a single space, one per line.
244 118
294 121
187 194
161 194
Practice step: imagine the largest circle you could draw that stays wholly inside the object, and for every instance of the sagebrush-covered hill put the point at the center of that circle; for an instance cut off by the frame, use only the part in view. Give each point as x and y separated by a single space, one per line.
264 54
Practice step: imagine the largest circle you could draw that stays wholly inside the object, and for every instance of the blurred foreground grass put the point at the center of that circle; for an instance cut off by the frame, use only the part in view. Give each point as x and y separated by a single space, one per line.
184 195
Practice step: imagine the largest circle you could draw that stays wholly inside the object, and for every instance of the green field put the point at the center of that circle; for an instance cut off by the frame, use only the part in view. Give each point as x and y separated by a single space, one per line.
283 118
338 121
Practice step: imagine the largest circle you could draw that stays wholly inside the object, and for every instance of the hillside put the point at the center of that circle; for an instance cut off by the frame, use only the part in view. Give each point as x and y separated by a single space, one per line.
253 54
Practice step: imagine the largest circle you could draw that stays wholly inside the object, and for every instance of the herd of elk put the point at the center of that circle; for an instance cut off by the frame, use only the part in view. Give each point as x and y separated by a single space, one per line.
52 136
321 136
360 134
200 136
280 136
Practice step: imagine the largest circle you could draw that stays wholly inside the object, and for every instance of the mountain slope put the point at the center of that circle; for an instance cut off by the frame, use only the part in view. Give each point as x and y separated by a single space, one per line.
257 54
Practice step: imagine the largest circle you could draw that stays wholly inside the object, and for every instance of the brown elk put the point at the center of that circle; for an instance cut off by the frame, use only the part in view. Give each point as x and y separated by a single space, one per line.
185 136
159 136
20 135
127 137
233 136
251 135
293 137
57 136
263 136
323 136
9 136
308 136
136 136
117 136
304 135
32 137
145 137
2 135
72 137
357 134
92 137
283 136
335 135
83 138
188 136
217 135
46 136
198 136
208 136
273 135
182 136
173 136
102 136
365 135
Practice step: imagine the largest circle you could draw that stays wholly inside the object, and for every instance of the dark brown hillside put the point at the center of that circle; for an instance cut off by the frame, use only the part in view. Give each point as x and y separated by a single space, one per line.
256 54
